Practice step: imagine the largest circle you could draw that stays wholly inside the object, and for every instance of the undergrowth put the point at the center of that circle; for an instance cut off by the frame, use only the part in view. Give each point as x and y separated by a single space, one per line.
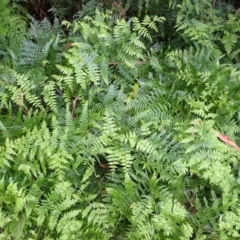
115 126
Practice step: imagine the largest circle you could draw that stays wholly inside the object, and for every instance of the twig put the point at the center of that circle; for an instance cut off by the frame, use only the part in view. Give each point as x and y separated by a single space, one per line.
74 106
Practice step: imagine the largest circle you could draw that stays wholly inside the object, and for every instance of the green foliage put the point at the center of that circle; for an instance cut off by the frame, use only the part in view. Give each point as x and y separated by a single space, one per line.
215 28
105 133
12 32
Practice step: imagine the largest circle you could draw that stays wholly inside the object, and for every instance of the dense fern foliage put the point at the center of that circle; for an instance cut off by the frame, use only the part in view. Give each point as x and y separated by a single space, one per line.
119 120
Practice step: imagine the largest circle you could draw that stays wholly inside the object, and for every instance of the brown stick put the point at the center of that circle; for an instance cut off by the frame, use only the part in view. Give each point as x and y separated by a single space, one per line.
115 63
74 106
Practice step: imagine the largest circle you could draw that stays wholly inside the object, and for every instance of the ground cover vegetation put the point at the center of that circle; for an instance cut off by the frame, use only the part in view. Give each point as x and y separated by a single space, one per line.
119 120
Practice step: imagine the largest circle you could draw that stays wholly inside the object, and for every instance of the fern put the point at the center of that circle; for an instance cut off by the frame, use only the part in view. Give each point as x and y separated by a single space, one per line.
111 40
12 33
217 30
109 134
42 43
